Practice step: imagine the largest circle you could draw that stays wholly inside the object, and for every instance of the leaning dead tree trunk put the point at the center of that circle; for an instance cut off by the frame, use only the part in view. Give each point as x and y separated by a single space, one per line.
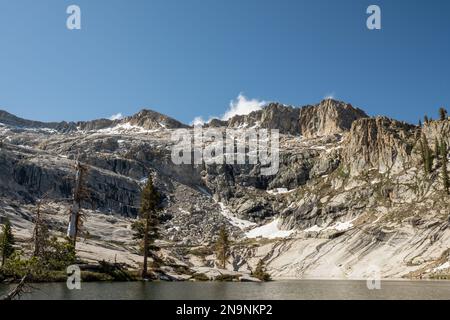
75 210
145 266
17 291
41 231
37 230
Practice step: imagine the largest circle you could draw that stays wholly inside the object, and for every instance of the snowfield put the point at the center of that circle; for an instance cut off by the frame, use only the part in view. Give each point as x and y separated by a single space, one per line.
269 231
235 221
279 191
124 128
339 226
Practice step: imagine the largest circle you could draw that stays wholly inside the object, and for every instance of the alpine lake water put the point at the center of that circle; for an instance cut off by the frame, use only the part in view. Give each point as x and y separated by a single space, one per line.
277 290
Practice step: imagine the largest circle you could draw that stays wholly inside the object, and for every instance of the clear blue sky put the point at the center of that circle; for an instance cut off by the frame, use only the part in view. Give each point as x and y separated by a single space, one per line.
189 58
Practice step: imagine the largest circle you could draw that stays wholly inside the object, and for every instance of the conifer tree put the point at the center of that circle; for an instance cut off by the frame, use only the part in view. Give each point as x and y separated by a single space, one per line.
426 120
260 272
437 149
426 154
444 148
146 229
422 153
6 242
444 152
223 247
442 114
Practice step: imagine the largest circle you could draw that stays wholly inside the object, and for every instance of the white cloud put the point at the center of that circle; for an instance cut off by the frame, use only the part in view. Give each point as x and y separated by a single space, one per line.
117 116
329 96
242 106
198 121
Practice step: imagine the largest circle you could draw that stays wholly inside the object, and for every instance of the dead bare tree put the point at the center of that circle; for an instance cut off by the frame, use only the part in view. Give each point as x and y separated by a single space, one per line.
79 194
18 291
39 228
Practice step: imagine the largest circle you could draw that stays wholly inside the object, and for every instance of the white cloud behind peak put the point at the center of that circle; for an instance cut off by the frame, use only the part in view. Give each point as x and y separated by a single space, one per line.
117 116
329 96
242 106
198 121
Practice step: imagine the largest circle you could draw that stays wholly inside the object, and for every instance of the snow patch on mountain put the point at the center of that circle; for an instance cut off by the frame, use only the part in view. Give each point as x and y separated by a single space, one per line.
7 128
117 116
125 128
279 191
270 231
235 221
442 267
339 226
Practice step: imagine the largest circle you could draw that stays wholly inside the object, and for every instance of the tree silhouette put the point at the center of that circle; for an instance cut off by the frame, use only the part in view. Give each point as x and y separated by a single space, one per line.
223 247
146 228
444 152
442 114
6 241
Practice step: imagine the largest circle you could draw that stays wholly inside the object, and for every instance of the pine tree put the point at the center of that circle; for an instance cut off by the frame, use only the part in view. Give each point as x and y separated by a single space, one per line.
6 242
425 119
260 272
443 114
444 151
420 123
426 154
422 153
437 149
445 179
146 229
223 247
444 148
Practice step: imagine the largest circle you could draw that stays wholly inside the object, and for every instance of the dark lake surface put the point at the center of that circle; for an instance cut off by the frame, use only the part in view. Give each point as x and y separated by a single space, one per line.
283 290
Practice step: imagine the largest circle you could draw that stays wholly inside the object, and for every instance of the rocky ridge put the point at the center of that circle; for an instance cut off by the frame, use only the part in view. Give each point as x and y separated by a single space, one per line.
350 194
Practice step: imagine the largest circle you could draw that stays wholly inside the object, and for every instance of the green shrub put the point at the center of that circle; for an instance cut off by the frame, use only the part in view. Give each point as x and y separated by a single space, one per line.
227 278
51 263
260 272
200 277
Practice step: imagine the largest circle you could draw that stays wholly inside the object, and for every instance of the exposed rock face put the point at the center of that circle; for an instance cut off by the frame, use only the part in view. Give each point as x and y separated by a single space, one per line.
326 118
96 124
146 119
379 143
11 120
149 119
439 130
29 177
350 190
273 116
216 123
